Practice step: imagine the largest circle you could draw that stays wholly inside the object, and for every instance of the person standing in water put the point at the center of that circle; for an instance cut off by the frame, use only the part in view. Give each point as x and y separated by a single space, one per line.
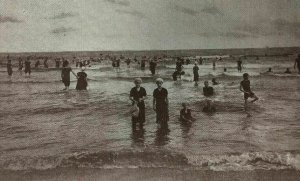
138 95
245 88
214 63
65 74
37 64
128 61
239 65
81 80
143 63
27 66
46 63
196 74
9 67
57 62
21 64
160 104
152 66
297 63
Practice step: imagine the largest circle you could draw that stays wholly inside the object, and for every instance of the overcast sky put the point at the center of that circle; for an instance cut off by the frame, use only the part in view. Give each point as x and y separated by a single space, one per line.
72 25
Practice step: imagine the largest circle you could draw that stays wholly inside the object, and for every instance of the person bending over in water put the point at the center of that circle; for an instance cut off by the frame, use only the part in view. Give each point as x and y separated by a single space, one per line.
287 71
138 95
297 63
245 88
65 74
81 80
185 114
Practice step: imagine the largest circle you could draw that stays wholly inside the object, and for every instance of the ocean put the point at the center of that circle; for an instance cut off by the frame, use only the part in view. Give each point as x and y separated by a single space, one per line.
44 129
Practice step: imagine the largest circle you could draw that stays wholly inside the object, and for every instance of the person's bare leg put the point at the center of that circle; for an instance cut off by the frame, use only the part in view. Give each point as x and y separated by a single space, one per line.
255 99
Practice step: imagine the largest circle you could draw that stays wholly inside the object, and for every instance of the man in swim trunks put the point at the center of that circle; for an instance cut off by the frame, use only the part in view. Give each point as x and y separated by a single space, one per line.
245 87
297 63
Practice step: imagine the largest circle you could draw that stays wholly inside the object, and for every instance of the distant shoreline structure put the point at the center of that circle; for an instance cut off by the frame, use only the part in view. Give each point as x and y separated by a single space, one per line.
269 51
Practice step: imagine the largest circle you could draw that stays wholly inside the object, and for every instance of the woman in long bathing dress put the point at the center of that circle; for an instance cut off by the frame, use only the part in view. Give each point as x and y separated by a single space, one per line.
160 104
65 74
138 94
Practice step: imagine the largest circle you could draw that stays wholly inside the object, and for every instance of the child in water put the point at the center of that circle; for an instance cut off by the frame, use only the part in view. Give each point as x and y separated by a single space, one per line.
81 80
214 81
209 107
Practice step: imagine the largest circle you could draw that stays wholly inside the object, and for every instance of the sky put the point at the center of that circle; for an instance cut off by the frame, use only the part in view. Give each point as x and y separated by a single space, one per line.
96 25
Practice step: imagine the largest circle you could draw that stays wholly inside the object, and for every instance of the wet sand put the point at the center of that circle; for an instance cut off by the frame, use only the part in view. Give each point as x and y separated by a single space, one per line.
151 174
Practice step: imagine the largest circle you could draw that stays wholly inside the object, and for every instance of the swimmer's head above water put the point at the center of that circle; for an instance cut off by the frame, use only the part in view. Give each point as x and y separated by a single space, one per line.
206 83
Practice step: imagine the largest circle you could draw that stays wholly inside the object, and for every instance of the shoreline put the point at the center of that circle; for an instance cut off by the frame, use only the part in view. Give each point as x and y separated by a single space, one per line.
149 174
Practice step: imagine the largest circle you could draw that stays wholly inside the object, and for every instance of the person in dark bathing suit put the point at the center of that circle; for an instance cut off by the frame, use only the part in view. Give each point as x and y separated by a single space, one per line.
21 64
196 74
27 66
245 88
46 63
9 67
214 63
208 91
297 63
81 80
138 94
65 74
128 61
160 104
143 63
152 66
57 62
239 65
37 64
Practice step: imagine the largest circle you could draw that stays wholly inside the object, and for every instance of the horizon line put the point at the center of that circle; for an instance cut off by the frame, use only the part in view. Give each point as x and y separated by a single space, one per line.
147 50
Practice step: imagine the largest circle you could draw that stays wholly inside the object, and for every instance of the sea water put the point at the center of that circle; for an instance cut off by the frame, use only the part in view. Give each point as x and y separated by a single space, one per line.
43 127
